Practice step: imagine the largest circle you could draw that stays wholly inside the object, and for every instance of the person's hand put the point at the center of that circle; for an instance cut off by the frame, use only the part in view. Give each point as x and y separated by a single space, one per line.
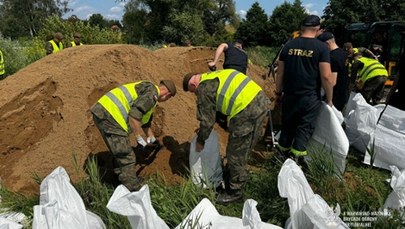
211 66
278 100
199 147
141 141
151 140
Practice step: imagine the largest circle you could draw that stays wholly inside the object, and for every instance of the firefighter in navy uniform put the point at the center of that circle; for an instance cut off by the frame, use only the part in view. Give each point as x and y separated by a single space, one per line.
303 67
124 110
235 57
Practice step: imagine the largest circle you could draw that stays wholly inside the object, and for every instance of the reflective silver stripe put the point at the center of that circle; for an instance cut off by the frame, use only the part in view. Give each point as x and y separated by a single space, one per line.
127 94
235 94
120 106
221 95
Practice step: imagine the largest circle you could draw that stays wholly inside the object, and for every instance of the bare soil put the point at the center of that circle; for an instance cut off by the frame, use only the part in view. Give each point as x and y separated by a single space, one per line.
45 120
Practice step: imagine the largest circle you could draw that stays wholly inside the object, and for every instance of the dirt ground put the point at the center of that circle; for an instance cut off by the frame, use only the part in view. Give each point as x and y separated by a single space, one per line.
45 120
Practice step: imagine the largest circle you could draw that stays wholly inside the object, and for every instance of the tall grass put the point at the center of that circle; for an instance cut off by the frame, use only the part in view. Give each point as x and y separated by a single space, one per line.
360 189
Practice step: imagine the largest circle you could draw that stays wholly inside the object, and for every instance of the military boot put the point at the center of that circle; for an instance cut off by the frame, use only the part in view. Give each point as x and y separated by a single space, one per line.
230 196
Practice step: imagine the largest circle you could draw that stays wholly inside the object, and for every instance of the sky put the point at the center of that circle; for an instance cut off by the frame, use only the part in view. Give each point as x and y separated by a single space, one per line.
113 10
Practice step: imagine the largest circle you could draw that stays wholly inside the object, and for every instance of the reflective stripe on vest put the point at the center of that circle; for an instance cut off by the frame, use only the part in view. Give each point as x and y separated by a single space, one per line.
2 68
371 68
55 47
118 103
235 90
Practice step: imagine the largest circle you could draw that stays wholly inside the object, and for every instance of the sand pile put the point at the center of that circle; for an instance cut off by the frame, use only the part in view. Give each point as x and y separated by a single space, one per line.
44 110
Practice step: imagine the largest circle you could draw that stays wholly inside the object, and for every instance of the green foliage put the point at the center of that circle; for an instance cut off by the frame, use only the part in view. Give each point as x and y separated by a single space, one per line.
96 195
261 55
90 34
254 29
174 21
339 13
285 19
18 54
25 18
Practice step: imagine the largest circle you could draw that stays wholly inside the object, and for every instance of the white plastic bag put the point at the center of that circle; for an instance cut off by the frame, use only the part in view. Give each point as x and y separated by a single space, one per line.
361 120
293 185
9 224
396 199
321 215
329 133
206 166
61 207
388 139
206 216
137 206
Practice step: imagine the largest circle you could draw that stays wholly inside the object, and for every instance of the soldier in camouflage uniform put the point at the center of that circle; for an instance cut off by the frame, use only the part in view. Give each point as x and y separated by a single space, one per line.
126 109
244 103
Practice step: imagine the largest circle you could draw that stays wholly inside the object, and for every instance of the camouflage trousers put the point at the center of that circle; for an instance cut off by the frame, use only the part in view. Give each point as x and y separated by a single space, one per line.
119 144
244 131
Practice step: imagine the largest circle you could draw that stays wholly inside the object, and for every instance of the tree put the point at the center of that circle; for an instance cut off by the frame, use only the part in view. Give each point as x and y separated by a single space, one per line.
25 17
176 21
253 29
285 19
97 20
339 13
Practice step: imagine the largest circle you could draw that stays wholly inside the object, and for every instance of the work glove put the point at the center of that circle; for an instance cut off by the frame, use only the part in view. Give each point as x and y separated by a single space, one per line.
212 68
151 140
140 141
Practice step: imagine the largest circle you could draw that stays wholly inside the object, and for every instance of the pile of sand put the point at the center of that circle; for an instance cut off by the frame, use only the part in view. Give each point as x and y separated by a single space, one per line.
45 120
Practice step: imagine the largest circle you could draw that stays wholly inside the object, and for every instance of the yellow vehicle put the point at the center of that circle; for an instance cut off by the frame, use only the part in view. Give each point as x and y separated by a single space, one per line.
386 39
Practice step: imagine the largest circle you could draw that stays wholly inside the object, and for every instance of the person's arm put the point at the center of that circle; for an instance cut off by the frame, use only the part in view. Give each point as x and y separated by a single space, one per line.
206 110
218 53
279 78
147 98
48 48
328 81
394 86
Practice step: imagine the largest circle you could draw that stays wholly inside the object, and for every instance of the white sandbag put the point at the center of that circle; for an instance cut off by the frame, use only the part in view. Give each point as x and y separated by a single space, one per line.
388 139
137 206
206 216
16 217
361 120
329 133
61 207
321 215
206 166
293 185
9 224
396 199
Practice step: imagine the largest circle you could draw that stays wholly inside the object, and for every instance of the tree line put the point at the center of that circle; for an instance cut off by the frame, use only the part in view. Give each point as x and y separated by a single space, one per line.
200 22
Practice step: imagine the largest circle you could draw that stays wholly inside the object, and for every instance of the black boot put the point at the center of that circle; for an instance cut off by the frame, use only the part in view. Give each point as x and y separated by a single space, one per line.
229 197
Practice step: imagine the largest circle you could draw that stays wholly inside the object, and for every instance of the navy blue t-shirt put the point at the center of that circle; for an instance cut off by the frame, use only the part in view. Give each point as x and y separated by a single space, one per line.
341 89
235 58
301 58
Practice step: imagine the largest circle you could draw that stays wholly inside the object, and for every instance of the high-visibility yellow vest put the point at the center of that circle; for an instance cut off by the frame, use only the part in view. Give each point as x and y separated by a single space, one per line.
118 102
235 90
56 48
74 44
2 67
371 68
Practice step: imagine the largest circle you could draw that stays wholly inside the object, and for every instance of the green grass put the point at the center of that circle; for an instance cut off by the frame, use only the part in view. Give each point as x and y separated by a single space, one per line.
362 188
